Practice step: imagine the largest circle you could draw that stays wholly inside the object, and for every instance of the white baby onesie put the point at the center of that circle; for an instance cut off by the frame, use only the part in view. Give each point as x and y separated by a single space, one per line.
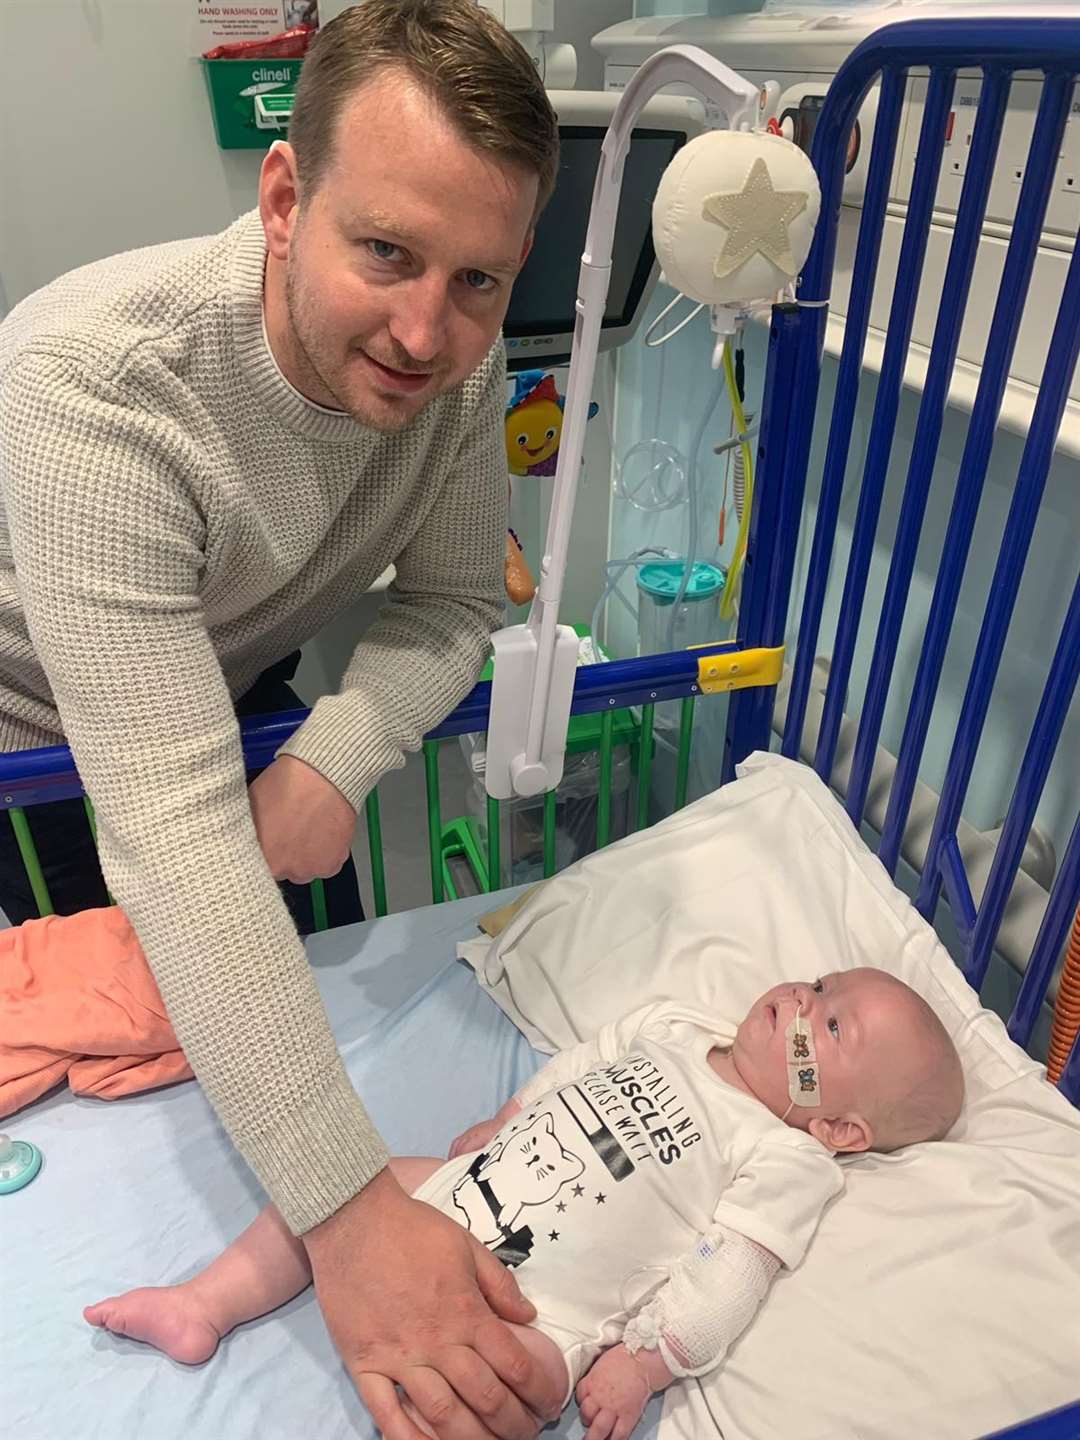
628 1149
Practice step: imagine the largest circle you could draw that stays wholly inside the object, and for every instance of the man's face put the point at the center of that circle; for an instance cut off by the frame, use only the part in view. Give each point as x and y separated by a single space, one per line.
401 262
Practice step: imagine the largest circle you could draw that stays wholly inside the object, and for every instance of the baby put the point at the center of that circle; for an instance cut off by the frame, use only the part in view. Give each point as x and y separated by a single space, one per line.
646 1185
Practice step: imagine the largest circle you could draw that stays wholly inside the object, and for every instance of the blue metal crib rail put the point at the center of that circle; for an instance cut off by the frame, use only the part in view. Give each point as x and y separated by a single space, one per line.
999 48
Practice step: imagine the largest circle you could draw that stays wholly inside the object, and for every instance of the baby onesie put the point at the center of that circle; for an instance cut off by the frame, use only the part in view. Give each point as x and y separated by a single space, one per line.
628 1148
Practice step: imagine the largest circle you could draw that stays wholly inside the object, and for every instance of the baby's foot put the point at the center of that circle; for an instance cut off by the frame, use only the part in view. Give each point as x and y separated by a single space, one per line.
167 1317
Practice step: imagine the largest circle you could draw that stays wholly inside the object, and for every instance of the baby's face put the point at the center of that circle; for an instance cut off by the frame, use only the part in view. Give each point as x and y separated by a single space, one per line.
867 1029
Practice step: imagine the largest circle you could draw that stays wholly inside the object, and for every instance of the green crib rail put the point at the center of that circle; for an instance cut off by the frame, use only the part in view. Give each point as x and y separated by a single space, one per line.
462 840
458 840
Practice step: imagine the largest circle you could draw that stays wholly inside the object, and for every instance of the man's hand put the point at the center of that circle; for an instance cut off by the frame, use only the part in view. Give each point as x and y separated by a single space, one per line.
410 1298
613 1394
304 823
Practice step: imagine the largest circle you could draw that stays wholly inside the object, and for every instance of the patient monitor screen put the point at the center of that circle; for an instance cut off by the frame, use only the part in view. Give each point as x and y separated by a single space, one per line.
545 291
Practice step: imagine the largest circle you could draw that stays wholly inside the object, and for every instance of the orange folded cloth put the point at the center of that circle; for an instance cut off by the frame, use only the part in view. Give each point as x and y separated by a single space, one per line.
77 998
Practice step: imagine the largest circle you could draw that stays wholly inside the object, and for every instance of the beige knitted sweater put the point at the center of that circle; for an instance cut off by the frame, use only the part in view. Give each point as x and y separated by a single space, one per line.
175 517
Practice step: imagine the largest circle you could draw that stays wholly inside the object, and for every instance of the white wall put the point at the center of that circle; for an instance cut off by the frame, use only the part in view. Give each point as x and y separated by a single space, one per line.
576 22
107 140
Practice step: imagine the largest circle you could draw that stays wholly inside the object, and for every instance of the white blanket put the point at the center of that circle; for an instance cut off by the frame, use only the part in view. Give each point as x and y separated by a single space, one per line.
939 1298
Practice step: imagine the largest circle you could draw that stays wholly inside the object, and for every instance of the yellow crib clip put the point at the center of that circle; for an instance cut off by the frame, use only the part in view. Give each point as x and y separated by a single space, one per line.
739 670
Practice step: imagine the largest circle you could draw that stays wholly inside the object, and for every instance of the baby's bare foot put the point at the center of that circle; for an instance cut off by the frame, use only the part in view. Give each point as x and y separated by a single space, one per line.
167 1317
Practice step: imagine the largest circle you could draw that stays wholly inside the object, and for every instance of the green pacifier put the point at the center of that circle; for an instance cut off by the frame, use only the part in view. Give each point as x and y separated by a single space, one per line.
19 1163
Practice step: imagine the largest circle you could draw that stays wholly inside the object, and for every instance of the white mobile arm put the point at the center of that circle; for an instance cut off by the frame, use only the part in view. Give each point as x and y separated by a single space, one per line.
535 662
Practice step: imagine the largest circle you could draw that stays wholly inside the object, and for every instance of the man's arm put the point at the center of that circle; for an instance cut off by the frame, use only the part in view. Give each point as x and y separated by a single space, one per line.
107 531
424 651
106 526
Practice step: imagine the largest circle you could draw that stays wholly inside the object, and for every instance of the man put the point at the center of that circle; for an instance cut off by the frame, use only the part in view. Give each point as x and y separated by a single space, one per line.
206 450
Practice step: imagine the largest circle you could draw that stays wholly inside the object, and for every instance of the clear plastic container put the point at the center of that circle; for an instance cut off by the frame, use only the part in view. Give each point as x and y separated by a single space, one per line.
697 621
521 842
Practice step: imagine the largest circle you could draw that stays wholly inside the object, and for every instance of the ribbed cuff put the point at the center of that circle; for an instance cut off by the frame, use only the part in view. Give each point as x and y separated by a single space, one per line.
343 739
315 1162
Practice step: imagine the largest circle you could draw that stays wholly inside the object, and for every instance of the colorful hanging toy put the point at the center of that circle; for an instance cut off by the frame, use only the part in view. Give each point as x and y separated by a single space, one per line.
534 424
533 430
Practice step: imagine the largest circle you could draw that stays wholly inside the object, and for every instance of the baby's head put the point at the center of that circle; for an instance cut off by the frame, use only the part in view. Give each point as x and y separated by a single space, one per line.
882 1073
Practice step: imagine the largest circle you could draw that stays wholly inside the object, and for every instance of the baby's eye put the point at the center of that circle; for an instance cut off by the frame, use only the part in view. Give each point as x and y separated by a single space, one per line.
817 987
834 1028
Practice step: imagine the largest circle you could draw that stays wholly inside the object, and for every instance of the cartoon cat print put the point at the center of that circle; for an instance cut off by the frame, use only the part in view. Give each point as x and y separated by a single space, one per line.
529 1167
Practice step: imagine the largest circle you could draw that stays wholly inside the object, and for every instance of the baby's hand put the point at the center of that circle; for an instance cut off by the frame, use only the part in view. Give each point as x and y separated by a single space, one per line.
475 1138
612 1395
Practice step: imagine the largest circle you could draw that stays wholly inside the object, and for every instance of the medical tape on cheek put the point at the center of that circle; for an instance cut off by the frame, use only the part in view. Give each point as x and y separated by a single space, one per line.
804 1080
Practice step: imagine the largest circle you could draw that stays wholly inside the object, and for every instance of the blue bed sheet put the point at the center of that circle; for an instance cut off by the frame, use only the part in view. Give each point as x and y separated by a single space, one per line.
145 1191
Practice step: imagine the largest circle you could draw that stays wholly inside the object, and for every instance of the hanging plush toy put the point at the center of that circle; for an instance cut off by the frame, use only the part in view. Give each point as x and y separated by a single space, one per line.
533 430
534 424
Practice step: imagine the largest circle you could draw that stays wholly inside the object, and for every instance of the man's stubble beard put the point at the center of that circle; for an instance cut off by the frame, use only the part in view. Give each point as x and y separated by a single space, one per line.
386 421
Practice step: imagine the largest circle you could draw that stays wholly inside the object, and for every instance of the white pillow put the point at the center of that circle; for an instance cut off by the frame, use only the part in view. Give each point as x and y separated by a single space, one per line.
940 1296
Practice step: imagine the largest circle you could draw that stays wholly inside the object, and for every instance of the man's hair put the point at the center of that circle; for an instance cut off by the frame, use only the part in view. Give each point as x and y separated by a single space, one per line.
458 53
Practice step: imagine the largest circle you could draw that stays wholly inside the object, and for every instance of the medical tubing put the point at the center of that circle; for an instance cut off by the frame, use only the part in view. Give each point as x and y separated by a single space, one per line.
693 519
670 334
735 568
1067 1010
664 459
738 446
620 568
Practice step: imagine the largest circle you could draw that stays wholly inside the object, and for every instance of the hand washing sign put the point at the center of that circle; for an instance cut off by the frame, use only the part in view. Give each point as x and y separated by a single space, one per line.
223 22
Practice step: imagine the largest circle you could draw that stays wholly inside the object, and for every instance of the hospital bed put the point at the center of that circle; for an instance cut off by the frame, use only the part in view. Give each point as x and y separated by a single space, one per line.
147 1189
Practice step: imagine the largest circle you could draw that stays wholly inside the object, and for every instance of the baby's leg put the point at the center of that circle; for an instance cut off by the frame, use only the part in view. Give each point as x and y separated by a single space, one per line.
261 1270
